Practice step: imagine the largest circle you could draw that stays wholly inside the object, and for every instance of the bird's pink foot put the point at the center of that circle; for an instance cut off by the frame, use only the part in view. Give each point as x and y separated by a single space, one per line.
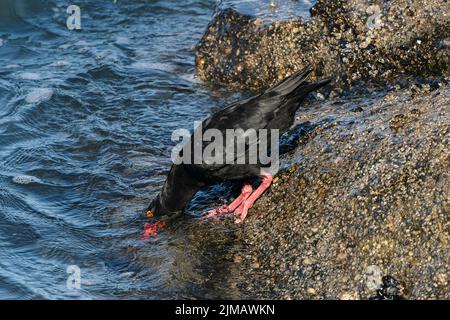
217 212
242 210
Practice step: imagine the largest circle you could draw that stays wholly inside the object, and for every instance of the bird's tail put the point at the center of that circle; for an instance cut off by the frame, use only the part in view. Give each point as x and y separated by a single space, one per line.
290 83
308 87
296 85
294 99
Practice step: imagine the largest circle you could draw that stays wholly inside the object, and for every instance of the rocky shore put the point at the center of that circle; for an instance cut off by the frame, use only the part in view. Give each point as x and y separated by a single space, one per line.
368 190
354 41
365 194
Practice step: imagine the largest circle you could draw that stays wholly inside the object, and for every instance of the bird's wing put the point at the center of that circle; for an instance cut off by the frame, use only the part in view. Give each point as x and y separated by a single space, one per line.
273 109
259 111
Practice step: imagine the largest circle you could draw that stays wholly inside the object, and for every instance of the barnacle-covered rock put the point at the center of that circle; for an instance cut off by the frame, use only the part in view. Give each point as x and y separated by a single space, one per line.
354 41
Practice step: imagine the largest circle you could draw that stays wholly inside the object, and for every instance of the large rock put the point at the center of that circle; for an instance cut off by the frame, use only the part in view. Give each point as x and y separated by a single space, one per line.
368 189
366 193
353 41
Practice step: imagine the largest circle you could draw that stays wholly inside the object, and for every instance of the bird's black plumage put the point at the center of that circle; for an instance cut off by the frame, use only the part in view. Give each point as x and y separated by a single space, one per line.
273 109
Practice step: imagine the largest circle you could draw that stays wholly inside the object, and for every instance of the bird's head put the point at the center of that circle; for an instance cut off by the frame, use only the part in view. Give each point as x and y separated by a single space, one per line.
159 212
154 208
156 225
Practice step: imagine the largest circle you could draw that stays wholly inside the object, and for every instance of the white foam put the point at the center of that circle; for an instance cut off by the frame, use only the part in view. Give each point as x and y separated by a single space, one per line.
145 65
140 53
190 77
30 76
65 46
39 95
26 179
1 42
128 274
122 40
60 63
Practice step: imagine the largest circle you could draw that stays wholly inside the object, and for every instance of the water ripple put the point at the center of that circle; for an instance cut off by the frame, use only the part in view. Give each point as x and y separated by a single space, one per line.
85 125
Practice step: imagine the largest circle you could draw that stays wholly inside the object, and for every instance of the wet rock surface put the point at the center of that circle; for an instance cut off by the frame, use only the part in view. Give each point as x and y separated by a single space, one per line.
389 290
361 210
355 41
359 201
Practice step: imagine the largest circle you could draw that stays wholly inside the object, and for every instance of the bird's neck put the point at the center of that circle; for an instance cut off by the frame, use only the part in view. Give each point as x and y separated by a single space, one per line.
178 190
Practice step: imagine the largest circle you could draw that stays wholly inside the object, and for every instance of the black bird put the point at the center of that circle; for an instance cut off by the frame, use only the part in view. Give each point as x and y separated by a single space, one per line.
273 109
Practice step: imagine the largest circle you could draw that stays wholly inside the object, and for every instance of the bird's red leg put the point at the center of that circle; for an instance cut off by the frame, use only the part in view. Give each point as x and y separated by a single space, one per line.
242 210
245 193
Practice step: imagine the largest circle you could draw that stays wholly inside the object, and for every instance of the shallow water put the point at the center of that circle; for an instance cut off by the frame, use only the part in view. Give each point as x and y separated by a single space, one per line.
85 139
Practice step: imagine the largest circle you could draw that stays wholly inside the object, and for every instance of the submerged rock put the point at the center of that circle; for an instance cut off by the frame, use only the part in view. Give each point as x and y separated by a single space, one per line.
352 41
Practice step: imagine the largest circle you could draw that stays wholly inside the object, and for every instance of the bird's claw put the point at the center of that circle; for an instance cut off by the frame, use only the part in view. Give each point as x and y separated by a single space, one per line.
241 213
216 213
237 206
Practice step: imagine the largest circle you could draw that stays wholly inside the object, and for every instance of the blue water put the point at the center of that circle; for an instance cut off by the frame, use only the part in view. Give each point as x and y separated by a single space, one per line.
85 124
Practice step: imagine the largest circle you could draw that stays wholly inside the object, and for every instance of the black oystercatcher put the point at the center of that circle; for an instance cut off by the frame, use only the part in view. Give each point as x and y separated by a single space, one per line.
273 109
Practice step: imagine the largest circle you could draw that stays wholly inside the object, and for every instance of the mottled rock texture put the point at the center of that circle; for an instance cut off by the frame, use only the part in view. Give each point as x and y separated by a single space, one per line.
352 41
370 187
366 193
